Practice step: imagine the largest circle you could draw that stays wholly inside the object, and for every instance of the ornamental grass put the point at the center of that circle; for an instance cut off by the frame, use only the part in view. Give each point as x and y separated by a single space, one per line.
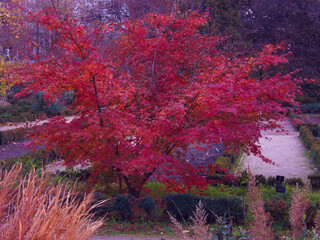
32 208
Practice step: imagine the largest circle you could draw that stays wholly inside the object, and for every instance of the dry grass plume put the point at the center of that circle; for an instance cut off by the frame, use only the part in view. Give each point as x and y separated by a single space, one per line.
31 208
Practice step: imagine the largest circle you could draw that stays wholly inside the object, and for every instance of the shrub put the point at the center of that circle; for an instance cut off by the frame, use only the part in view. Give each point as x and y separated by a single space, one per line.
311 213
279 211
271 181
37 160
101 209
19 112
260 179
310 142
224 162
294 181
220 175
242 179
32 209
183 206
315 181
146 203
123 204
40 105
231 207
14 135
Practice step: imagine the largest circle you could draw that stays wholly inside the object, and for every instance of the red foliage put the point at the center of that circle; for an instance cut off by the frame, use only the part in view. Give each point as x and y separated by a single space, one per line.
164 86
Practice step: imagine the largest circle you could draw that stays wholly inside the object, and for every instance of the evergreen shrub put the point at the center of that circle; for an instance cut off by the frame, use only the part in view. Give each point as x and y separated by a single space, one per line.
123 204
146 203
182 206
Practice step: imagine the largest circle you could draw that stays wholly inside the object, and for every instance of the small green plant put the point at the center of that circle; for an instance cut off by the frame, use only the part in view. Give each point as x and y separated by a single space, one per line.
225 230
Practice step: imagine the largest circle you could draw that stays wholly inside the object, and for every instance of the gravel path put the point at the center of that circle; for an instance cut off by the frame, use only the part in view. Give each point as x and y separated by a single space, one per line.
286 150
29 124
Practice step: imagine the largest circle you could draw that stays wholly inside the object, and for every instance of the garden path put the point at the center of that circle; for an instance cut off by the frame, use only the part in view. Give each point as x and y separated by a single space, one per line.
17 149
286 150
29 124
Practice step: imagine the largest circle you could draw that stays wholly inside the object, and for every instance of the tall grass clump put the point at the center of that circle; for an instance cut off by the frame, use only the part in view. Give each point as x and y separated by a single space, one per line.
298 208
260 227
198 231
31 208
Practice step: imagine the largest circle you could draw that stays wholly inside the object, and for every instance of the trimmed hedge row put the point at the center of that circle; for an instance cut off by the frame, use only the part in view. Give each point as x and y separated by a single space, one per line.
14 135
315 181
183 205
307 133
271 181
124 205
37 160
22 117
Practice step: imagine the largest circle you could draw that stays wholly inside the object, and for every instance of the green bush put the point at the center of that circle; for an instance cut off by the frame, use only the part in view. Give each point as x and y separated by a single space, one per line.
146 203
123 204
260 179
230 207
17 113
294 181
14 135
307 133
102 209
271 181
183 206
41 105
279 211
37 160
315 181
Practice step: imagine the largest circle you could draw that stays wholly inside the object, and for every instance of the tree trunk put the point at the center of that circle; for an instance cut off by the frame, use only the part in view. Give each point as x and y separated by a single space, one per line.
135 183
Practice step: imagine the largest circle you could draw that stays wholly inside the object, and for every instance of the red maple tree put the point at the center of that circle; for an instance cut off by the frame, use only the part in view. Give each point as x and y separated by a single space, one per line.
161 85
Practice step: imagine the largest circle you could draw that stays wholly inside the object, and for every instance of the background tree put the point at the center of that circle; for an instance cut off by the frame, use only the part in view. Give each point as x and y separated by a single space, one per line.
294 22
11 21
224 16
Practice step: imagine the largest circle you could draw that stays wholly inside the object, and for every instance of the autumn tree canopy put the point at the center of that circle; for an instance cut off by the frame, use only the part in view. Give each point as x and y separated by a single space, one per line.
160 86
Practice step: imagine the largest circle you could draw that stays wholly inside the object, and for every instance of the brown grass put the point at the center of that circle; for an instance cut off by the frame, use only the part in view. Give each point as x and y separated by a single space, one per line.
32 209
260 227
298 208
198 231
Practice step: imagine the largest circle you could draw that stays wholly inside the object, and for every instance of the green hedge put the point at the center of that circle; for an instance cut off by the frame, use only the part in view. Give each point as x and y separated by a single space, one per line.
311 142
183 205
315 181
14 135
37 160
7 117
